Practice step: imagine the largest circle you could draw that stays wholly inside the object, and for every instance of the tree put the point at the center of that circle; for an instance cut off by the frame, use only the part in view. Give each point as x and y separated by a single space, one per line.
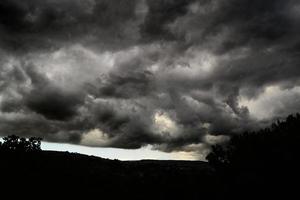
260 163
261 148
15 143
35 143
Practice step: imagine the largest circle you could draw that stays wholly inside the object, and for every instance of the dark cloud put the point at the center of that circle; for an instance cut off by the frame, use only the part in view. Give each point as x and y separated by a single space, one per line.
53 103
49 100
227 25
47 25
127 85
131 73
162 13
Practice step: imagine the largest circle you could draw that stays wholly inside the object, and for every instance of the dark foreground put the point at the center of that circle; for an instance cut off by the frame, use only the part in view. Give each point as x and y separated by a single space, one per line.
58 173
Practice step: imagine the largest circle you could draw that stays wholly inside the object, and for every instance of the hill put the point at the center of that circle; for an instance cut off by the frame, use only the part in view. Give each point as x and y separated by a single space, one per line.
76 174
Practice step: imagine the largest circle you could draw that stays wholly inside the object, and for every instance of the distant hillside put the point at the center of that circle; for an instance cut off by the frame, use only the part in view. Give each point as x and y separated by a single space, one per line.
69 172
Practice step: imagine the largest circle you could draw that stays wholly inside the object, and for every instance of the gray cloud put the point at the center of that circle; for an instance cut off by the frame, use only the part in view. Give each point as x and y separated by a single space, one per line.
160 14
35 25
131 73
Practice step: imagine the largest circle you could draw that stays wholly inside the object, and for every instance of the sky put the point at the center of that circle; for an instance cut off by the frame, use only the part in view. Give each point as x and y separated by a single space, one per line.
144 153
160 78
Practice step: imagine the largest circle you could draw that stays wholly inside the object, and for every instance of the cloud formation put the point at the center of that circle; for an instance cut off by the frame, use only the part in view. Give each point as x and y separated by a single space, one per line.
176 75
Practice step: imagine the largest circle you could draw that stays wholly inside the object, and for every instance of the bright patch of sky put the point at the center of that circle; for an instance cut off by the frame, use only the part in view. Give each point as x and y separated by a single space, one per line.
120 154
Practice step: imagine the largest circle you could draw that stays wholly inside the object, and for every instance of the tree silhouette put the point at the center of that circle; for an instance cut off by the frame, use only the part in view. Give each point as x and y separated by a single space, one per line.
262 162
15 143
264 147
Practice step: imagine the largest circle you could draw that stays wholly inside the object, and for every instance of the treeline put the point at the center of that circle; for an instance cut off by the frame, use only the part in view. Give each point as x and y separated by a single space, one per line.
279 142
15 143
264 162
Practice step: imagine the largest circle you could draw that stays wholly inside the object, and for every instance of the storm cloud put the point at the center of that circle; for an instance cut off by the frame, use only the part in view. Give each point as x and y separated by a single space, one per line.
178 75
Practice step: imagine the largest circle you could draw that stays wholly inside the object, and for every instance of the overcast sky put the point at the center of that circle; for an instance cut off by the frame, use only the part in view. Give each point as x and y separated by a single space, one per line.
167 75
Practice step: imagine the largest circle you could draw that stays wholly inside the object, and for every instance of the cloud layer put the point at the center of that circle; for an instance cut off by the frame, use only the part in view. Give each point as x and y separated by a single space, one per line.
177 75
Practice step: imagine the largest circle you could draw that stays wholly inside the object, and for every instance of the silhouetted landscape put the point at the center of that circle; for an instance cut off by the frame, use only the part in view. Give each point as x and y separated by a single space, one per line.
262 163
216 81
